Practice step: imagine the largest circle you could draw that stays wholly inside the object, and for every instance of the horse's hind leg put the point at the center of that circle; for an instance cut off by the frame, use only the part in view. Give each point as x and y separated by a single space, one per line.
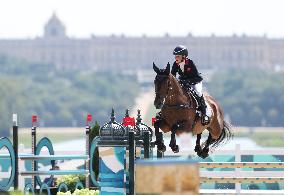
198 148
205 150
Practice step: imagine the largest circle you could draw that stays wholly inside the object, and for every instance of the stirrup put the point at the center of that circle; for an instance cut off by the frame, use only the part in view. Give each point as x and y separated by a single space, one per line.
205 120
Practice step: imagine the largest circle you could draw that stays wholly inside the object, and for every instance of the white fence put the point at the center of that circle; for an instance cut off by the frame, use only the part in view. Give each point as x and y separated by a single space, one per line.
239 176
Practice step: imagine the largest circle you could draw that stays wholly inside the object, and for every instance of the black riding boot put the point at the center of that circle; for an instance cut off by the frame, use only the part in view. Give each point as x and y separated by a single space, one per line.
202 107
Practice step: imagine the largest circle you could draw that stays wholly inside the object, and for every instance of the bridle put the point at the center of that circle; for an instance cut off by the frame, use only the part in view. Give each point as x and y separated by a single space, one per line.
161 78
169 88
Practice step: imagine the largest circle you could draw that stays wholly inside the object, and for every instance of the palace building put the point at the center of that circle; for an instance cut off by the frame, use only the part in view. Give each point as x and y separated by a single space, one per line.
122 52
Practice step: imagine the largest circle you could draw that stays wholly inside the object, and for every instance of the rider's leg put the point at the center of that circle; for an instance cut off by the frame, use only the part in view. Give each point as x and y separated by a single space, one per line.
204 118
202 104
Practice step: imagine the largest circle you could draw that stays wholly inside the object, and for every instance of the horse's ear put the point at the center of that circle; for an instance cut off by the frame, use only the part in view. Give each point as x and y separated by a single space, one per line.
168 68
156 69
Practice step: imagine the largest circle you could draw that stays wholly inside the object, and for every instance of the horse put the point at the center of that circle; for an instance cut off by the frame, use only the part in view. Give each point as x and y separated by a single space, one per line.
178 115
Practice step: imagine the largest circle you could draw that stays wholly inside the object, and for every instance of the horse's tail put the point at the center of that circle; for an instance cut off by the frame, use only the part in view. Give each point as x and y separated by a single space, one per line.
225 136
227 133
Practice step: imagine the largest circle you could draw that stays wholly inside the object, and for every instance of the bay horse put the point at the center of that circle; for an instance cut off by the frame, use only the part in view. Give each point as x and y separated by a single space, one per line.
178 114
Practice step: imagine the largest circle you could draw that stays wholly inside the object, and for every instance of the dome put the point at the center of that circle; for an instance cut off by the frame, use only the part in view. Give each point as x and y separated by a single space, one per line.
113 130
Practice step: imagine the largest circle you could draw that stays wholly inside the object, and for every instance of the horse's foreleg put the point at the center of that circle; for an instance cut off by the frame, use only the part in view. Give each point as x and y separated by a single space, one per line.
159 140
198 148
173 145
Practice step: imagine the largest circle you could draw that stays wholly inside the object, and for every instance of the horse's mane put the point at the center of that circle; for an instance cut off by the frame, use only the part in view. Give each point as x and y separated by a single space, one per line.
178 88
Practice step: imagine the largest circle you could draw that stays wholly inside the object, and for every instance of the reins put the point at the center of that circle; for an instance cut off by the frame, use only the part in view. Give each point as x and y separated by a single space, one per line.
177 106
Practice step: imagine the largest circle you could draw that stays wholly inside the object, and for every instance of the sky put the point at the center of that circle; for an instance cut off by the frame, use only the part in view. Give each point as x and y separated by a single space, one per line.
26 18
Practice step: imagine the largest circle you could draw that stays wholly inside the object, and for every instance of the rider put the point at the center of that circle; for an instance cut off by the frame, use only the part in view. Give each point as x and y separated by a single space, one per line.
190 78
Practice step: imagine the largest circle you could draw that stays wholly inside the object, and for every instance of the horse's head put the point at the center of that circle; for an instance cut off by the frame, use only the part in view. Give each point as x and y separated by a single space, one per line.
162 84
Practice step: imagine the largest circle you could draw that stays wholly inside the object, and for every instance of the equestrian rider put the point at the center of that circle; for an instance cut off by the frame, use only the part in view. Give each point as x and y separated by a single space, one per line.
189 77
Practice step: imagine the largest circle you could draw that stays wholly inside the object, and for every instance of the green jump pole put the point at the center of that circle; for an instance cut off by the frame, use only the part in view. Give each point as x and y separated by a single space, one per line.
15 145
131 140
88 128
160 137
34 121
146 144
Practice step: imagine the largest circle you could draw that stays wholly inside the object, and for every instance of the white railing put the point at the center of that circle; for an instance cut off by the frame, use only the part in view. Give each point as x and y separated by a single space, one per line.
237 152
239 176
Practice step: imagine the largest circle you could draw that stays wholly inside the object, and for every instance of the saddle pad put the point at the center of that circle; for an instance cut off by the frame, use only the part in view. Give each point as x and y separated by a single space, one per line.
209 110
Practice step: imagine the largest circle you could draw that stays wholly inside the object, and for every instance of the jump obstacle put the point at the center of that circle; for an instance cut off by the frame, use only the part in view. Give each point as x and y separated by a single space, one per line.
35 157
114 135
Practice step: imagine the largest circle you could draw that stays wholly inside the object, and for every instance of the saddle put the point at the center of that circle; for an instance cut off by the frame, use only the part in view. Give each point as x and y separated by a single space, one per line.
192 93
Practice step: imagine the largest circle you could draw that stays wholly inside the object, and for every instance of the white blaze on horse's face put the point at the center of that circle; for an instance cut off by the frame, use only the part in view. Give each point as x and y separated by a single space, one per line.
161 89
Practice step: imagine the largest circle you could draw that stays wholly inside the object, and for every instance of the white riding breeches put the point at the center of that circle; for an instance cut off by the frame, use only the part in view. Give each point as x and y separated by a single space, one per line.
198 88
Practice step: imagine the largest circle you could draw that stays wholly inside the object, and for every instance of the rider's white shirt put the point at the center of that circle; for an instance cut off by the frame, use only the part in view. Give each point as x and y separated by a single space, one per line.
181 65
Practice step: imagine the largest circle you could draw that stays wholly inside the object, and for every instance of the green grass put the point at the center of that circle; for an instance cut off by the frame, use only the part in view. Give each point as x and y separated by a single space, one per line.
268 139
16 193
54 137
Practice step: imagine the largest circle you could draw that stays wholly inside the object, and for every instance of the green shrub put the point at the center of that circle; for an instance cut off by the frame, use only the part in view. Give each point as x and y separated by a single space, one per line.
64 193
80 192
71 180
93 133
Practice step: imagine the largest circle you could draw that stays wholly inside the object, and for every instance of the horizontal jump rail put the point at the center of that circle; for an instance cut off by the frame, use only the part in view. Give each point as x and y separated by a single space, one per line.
241 173
234 192
53 157
241 164
55 172
241 180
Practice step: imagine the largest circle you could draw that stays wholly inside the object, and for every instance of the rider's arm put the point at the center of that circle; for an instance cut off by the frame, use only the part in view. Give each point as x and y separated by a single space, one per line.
195 75
193 68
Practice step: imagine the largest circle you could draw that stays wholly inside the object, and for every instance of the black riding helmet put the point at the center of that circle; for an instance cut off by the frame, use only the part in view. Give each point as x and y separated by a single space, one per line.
181 50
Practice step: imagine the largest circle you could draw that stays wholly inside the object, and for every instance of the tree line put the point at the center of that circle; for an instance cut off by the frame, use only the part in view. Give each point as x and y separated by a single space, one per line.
250 97
64 97
60 98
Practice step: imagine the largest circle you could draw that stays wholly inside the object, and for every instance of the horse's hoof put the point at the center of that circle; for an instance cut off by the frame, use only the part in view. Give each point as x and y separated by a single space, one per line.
197 149
175 149
204 154
172 144
161 148
205 150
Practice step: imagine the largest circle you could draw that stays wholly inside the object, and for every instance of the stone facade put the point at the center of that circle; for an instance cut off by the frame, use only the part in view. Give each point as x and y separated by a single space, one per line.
120 52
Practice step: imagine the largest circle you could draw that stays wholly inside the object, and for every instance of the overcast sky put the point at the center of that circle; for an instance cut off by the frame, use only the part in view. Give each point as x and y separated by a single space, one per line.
25 18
